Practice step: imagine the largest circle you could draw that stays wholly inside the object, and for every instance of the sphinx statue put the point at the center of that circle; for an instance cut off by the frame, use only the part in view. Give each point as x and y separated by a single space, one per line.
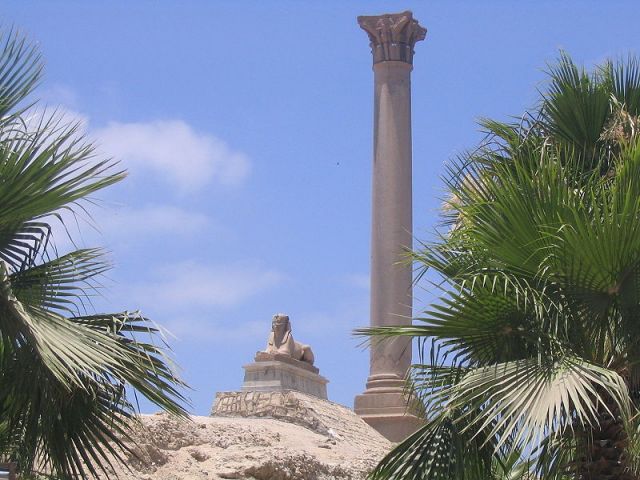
281 341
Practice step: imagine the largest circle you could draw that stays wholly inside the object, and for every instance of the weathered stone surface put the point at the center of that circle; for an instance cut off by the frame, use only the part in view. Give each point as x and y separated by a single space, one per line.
281 341
277 357
239 448
273 376
392 38
293 407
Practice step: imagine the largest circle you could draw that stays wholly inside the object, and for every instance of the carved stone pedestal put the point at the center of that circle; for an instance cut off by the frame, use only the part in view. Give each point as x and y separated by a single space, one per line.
276 373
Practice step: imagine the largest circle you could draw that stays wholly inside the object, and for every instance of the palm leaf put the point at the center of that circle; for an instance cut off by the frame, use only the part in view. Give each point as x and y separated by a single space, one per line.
20 70
439 450
64 405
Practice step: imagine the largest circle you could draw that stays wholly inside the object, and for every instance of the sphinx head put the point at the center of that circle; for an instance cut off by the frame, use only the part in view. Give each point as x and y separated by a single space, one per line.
280 325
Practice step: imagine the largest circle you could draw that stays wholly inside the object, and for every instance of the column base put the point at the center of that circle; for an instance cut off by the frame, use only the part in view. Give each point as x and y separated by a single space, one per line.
386 408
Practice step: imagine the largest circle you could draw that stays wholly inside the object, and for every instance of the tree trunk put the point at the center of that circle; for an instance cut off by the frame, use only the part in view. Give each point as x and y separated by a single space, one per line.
602 451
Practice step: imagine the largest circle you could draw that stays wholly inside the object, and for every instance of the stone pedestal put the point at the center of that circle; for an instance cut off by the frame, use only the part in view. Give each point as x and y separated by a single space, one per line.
275 373
388 412
392 38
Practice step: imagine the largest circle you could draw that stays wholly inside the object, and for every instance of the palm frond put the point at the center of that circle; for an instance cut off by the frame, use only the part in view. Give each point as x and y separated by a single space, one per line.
441 449
20 70
529 400
64 405
576 106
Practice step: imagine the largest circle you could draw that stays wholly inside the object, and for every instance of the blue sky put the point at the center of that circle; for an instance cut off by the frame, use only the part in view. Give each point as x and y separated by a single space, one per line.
246 127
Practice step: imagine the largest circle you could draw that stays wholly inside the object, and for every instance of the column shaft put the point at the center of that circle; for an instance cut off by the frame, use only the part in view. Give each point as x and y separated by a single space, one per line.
383 404
391 234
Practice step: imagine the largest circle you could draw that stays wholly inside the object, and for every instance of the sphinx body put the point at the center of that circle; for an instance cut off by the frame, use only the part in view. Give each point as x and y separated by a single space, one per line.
281 341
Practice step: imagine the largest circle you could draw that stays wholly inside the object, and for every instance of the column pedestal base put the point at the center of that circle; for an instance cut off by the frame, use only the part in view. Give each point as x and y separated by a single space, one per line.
384 406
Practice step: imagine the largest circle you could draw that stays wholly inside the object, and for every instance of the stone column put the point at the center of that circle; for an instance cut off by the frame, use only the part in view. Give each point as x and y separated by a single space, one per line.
392 37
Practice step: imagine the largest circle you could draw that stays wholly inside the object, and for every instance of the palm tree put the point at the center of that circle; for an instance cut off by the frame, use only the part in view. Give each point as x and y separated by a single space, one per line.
64 371
532 361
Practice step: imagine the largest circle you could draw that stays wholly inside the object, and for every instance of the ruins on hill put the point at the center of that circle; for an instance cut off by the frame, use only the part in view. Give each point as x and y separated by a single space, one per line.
288 366
282 367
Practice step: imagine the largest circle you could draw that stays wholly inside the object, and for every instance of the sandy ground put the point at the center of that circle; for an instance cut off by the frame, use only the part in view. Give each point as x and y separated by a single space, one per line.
256 448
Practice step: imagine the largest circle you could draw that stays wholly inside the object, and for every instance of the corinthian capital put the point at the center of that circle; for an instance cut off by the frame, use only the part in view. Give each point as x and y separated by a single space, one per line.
392 36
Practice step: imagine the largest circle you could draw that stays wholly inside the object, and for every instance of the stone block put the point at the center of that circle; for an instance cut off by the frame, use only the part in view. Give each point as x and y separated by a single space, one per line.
276 376
390 413
279 357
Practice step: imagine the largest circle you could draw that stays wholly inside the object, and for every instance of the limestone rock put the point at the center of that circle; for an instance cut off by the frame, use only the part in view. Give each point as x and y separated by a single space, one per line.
289 406
337 445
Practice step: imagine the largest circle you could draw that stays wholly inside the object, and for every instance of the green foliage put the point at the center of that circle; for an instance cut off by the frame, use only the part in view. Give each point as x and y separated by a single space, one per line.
534 340
63 404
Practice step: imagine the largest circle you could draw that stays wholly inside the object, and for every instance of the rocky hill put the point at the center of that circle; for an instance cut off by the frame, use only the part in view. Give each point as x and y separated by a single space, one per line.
332 443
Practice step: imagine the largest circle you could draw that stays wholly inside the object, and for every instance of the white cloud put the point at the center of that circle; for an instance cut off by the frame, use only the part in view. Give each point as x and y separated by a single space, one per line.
59 94
175 151
155 219
190 284
201 329
111 225
170 149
